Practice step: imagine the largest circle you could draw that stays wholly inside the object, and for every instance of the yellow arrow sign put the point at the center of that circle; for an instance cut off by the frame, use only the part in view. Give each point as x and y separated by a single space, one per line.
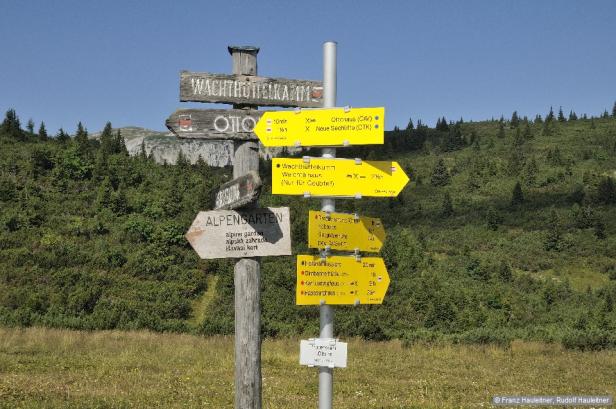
340 231
322 127
340 280
337 177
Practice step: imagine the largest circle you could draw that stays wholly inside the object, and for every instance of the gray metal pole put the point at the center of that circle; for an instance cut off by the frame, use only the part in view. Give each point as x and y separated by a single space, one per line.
326 312
247 272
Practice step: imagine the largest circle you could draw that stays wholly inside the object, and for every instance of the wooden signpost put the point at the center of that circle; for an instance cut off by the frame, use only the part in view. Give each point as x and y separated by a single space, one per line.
237 234
337 177
238 192
214 123
340 231
340 280
322 127
250 90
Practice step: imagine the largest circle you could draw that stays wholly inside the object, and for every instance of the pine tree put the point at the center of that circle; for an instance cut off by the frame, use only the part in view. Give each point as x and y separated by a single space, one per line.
103 195
446 205
493 219
143 153
538 119
600 230
605 114
119 146
614 110
410 126
517 197
181 161
530 172
561 115
11 125
106 139
81 138
61 136
550 116
501 130
515 121
42 132
518 140
440 174
572 116
30 127
528 133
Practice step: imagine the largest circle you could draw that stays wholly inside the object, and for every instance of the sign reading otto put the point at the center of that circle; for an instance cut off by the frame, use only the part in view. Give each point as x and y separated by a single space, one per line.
214 123
237 234
250 90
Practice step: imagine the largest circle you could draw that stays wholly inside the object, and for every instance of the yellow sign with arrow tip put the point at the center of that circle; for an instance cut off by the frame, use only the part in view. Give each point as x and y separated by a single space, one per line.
340 280
322 127
341 231
337 177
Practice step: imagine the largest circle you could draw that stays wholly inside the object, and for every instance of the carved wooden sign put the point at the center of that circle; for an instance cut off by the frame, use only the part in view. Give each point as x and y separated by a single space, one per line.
238 192
238 234
214 123
250 90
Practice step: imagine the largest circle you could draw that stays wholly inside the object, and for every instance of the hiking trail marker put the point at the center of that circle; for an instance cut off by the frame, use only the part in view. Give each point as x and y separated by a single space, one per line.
329 352
337 177
339 280
214 123
238 192
340 231
237 234
322 127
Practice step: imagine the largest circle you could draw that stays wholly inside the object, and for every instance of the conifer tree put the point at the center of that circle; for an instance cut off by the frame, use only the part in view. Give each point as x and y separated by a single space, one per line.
517 197
42 132
561 115
410 125
572 116
119 146
528 133
550 116
518 140
606 191
605 114
62 136
143 153
554 237
440 174
515 121
530 172
106 139
11 125
614 110
538 119
501 130
30 127
81 138
103 195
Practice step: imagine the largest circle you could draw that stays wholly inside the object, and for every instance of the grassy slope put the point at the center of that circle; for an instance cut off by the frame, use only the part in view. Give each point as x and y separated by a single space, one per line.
110 369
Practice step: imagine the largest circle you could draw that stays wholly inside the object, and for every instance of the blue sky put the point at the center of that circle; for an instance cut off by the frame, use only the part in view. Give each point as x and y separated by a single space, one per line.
96 61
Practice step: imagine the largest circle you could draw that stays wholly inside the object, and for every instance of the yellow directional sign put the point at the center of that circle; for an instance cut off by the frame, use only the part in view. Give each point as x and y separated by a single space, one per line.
340 231
337 177
340 280
322 127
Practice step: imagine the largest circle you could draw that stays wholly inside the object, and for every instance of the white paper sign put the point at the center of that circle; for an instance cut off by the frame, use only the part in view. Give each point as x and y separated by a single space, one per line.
328 352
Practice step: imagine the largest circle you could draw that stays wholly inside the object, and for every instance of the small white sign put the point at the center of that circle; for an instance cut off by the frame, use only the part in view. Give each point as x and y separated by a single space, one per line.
328 352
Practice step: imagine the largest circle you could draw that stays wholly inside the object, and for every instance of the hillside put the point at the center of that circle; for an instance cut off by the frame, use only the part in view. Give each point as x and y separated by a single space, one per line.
93 239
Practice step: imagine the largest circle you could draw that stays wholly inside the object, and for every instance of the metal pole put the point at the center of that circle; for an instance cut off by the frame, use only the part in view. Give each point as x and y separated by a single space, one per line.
326 312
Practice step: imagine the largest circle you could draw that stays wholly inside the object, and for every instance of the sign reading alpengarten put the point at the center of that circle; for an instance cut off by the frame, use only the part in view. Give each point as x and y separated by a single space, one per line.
250 90
249 233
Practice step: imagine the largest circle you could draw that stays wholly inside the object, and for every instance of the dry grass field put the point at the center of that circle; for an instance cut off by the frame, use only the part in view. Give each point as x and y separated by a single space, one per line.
47 368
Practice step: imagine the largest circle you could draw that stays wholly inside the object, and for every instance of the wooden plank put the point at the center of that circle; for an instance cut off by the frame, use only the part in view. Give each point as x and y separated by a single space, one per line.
214 123
250 90
246 233
238 192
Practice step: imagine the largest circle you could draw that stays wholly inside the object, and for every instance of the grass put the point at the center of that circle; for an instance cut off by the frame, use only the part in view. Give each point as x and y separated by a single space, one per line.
50 368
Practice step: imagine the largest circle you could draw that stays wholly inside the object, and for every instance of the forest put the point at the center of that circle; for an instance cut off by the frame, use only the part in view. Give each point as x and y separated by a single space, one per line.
507 230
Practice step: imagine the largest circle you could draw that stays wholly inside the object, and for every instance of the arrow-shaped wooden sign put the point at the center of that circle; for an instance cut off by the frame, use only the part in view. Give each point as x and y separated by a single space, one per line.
214 123
340 231
238 192
340 280
337 177
322 127
250 90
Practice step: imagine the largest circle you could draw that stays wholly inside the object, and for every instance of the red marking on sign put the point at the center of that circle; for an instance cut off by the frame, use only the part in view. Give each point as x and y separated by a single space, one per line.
185 123
317 93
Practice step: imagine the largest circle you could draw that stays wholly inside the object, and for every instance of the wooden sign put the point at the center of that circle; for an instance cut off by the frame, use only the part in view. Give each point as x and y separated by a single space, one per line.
337 177
322 127
340 280
250 90
340 231
237 234
238 192
328 352
214 123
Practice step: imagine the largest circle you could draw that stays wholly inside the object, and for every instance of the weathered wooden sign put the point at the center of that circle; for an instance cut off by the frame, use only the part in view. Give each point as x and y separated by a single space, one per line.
337 177
328 352
322 127
214 123
238 192
340 280
250 89
236 234
340 231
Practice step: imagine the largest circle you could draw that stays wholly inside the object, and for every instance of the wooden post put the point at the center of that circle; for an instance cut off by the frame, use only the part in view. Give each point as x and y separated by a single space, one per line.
247 274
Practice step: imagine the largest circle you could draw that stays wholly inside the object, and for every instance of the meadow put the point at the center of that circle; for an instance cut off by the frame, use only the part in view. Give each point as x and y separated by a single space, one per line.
57 368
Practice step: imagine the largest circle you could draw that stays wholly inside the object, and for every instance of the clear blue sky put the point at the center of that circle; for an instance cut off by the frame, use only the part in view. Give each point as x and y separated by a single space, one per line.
96 61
